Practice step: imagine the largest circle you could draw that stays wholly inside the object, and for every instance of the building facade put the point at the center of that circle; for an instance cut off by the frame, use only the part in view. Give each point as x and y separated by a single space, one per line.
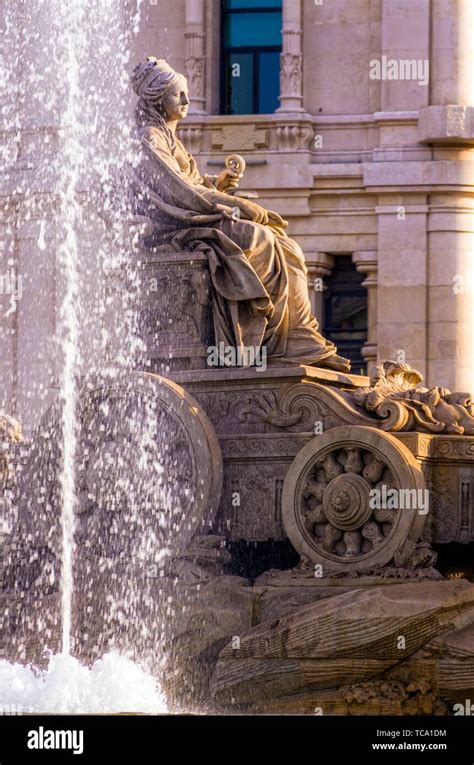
355 118
369 155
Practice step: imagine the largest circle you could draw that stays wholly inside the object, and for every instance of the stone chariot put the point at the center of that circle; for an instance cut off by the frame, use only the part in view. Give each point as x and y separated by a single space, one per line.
177 463
360 474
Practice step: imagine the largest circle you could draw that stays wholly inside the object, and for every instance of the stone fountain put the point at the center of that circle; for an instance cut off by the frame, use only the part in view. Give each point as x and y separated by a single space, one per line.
177 462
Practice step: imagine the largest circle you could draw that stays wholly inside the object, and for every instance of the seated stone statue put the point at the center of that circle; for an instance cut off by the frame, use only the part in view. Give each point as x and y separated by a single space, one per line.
259 277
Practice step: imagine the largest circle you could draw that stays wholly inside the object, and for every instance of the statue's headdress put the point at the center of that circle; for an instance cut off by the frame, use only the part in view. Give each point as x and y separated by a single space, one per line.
150 81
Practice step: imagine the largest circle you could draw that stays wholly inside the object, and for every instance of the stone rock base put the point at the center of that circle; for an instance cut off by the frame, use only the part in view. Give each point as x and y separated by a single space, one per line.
402 649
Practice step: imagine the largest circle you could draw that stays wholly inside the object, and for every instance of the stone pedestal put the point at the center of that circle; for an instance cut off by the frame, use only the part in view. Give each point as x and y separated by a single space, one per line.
173 310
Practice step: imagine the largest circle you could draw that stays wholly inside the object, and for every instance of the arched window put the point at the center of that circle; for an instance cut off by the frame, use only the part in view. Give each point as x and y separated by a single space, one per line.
251 39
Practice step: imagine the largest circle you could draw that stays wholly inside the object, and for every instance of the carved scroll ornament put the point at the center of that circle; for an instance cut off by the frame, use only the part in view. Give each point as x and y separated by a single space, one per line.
396 396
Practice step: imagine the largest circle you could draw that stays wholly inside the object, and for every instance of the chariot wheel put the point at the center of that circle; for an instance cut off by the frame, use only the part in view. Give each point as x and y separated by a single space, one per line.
148 470
343 503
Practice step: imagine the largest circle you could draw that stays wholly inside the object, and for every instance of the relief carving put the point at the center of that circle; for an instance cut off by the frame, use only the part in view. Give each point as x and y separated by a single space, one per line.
239 138
10 433
265 406
291 73
250 506
342 505
194 67
453 448
261 447
396 397
174 312
299 406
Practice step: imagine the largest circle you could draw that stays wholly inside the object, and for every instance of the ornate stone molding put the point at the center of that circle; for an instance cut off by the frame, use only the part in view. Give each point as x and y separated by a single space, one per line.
431 446
257 133
245 137
263 446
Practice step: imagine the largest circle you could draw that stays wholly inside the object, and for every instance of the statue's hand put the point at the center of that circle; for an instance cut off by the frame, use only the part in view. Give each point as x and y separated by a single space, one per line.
276 220
252 211
227 179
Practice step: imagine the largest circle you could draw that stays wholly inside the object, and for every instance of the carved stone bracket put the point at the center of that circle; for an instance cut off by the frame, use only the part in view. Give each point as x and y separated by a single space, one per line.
191 136
293 137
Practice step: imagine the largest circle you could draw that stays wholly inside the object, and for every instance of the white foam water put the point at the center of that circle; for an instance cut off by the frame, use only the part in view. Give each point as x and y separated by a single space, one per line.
90 114
114 684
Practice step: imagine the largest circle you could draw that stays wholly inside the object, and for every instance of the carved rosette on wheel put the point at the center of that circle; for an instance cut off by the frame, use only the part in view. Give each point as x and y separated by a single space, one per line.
334 504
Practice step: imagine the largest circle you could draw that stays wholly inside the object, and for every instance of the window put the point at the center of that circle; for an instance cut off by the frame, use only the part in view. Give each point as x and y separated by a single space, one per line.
251 34
345 311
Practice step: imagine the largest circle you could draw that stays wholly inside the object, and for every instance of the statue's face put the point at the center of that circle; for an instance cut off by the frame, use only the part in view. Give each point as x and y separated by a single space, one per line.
174 105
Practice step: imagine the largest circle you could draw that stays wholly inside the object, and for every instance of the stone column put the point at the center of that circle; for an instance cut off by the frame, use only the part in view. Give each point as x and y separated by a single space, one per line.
450 116
452 51
402 270
319 265
451 290
405 34
447 125
194 55
291 60
366 262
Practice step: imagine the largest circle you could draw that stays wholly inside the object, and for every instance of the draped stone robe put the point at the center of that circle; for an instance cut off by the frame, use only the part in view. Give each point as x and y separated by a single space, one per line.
259 277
